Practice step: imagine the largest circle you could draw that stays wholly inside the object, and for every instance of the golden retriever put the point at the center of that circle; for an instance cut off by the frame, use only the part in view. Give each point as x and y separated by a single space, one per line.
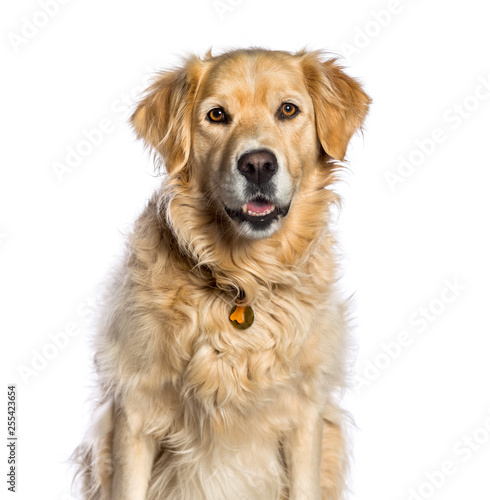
221 348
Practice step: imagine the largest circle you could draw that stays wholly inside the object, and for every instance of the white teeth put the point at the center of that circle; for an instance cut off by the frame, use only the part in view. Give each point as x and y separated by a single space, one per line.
258 214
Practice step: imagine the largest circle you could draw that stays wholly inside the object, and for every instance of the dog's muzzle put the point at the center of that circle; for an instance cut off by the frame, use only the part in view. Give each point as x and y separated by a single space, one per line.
260 207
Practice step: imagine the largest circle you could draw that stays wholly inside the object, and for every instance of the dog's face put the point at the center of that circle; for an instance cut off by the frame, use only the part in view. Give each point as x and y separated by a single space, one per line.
254 132
248 127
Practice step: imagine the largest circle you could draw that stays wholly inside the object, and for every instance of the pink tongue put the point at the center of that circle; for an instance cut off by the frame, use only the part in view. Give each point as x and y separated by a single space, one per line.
258 206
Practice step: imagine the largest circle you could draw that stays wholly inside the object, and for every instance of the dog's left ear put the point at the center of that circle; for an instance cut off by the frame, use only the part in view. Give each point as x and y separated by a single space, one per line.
163 118
339 101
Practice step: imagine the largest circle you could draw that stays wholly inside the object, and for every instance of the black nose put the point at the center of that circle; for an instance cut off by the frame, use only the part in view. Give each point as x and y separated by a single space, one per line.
258 166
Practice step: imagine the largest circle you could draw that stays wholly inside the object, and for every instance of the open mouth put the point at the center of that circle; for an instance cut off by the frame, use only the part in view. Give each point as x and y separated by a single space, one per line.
259 211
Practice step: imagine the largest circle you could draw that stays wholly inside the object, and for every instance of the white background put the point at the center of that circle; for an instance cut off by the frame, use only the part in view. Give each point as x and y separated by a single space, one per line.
417 405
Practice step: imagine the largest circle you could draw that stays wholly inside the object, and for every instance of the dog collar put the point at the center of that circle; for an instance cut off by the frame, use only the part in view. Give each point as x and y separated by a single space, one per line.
242 317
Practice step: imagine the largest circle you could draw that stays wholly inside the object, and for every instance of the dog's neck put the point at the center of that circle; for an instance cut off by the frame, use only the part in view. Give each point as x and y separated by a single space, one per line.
242 269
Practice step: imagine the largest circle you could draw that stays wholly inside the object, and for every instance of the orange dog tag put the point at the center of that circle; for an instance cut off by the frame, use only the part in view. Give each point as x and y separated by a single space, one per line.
242 317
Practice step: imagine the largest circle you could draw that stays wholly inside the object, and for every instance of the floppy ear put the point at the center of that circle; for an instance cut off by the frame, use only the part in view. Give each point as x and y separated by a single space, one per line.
339 101
163 117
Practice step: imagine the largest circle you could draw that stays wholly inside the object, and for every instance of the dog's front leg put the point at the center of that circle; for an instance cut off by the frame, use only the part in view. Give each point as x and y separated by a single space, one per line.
302 449
133 456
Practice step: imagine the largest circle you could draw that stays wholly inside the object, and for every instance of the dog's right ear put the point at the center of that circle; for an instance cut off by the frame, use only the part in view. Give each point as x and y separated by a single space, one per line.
163 117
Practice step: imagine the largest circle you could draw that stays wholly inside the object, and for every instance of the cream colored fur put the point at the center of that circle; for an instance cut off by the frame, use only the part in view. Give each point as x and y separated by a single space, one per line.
191 408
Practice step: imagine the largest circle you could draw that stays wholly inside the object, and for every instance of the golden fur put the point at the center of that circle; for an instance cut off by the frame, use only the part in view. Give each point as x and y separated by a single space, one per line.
191 408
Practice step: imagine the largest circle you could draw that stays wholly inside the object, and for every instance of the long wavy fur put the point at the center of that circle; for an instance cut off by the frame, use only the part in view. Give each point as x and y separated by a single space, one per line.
220 402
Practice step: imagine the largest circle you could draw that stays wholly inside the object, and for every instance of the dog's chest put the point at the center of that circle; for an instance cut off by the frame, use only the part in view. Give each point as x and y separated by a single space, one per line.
237 370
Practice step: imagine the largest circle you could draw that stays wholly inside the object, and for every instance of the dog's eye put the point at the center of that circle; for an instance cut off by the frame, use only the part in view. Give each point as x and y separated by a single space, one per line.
217 115
288 110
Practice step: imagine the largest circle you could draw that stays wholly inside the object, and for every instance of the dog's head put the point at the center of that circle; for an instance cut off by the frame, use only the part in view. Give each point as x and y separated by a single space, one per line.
248 127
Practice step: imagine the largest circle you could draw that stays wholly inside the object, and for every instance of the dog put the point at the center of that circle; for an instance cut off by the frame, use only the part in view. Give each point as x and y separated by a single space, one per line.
222 343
